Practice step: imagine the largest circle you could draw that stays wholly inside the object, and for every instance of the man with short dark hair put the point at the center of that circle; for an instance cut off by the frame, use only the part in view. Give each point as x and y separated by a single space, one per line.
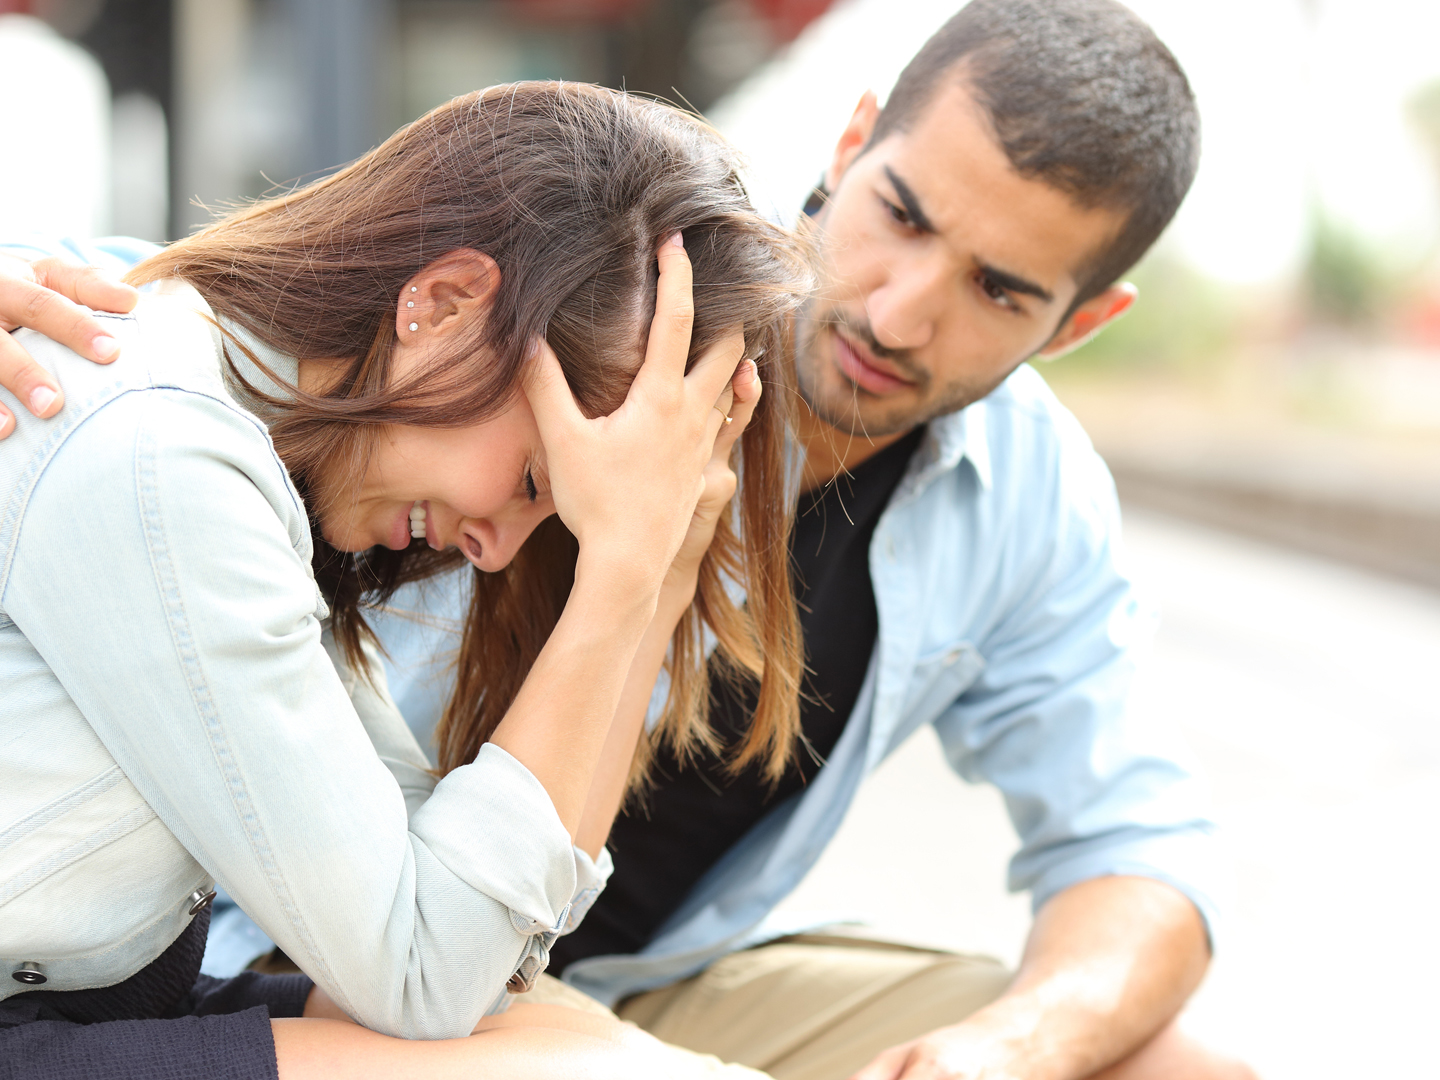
956 558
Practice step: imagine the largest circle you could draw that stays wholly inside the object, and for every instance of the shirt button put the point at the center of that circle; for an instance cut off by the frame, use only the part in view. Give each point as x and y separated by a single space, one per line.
30 973
200 900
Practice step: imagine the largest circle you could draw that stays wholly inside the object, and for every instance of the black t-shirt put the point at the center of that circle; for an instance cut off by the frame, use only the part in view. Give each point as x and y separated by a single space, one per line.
692 816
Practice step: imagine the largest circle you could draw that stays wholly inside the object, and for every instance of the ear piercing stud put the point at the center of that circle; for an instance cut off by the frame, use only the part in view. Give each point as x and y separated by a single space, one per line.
414 326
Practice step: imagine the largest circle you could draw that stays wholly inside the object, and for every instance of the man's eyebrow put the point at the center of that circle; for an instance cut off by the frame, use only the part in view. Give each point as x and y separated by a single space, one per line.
1016 284
910 202
1010 282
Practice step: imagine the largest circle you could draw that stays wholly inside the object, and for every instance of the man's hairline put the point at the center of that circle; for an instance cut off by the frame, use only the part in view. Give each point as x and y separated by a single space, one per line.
962 83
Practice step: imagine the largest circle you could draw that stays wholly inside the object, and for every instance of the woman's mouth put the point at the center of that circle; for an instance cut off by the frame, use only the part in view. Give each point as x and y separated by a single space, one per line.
865 371
421 526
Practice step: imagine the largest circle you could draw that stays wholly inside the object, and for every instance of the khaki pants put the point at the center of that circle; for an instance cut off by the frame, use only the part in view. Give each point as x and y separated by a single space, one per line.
814 1007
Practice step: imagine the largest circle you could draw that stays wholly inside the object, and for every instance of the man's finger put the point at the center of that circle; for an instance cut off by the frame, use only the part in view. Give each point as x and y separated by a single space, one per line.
86 285
668 345
35 306
35 387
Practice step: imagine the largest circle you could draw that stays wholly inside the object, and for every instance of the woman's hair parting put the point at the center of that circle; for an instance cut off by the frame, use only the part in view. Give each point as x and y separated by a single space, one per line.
569 188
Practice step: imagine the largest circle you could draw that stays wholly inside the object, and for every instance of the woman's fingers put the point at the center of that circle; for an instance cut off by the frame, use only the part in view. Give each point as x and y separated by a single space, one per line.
668 345
744 395
551 400
712 372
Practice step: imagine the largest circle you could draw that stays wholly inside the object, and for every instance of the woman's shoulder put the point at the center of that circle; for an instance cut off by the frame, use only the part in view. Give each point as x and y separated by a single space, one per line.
164 401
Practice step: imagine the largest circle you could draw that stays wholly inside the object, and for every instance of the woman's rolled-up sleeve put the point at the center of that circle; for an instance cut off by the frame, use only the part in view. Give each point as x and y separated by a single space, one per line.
176 607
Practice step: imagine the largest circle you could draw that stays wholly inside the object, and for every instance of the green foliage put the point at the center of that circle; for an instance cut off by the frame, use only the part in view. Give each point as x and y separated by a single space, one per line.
1423 110
1180 320
1343 278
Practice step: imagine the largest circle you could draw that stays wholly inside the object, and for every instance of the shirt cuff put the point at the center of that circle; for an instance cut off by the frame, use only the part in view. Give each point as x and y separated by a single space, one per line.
492 824
591 876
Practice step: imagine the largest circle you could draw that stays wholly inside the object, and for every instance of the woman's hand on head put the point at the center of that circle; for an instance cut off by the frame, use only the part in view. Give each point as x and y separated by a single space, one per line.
738 402
46 296
628 484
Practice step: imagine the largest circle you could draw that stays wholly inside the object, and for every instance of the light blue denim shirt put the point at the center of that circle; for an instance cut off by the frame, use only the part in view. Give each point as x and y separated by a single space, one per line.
173 712
1008 621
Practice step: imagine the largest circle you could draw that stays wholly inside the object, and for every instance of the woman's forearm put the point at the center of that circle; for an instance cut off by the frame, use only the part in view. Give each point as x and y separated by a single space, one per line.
560 720
608 789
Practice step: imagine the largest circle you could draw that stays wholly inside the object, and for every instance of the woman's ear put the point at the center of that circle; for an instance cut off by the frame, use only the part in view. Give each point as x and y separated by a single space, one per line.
446 295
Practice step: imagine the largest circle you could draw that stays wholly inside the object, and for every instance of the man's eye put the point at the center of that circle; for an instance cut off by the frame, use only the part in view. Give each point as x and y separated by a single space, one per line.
531 492
898 213
996 292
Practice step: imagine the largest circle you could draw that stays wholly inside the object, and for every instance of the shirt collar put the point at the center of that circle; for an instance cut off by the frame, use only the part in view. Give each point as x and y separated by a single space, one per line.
949 440
284 368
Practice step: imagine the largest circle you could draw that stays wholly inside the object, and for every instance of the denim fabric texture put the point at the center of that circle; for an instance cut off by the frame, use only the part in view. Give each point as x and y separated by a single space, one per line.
174 713
1008 621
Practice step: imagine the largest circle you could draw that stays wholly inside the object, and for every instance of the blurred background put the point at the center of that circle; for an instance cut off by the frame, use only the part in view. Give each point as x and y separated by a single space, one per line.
1271 408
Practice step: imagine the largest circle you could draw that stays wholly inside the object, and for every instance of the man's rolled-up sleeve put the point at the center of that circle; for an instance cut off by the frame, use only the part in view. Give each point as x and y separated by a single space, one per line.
1093 786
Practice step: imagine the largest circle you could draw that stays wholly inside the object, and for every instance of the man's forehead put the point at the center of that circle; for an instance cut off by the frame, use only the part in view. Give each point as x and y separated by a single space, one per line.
953 165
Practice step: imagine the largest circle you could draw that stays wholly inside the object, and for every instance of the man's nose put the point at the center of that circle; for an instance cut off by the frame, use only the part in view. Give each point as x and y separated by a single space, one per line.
902 311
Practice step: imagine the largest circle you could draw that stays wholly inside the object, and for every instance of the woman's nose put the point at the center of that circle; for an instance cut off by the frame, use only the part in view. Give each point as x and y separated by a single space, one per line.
490 543
902 311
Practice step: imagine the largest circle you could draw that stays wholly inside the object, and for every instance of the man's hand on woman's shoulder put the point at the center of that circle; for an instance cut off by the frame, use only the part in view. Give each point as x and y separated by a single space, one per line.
47 296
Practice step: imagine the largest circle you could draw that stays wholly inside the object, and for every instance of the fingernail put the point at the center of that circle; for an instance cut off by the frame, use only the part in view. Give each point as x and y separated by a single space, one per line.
105 347
678 240
41 398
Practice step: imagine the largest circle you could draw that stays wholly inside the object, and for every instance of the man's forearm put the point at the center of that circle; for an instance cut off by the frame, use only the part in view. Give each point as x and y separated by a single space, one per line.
1109 962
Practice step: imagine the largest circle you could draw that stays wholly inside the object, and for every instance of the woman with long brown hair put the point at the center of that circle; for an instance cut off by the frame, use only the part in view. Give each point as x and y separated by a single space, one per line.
543 299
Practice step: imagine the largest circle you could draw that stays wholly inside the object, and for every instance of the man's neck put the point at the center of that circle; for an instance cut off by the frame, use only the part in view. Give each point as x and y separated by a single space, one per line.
829 452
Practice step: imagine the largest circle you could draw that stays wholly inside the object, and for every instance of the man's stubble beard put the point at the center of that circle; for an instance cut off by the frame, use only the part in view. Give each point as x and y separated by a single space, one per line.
853 411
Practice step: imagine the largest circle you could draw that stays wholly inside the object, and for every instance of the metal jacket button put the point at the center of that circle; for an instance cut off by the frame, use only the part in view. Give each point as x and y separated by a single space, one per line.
29 972
199 901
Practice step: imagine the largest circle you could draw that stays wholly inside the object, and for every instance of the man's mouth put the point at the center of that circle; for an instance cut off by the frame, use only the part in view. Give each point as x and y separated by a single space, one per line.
866 371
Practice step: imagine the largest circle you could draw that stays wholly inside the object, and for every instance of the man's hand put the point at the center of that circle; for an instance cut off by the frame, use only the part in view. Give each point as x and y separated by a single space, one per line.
1108 965
46 296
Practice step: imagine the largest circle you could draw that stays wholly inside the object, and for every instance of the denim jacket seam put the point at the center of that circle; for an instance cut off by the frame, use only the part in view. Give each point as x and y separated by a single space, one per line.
40 458
41 816
94 840
177 619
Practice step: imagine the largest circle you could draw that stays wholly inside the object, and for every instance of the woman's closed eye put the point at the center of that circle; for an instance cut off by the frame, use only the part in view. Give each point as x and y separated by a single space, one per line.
531 492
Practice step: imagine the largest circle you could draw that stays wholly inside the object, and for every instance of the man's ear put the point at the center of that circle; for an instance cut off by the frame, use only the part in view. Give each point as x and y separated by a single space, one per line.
1089 319
853 139
446 295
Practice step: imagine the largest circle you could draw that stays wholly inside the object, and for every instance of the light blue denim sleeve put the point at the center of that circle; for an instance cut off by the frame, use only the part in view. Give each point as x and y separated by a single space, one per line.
1093 788
157 569
113 254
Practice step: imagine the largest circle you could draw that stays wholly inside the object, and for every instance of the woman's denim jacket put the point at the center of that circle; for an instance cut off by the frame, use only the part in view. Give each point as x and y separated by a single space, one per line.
173 714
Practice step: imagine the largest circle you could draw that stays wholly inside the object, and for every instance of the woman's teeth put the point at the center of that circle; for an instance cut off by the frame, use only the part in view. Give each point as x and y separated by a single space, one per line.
417 521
